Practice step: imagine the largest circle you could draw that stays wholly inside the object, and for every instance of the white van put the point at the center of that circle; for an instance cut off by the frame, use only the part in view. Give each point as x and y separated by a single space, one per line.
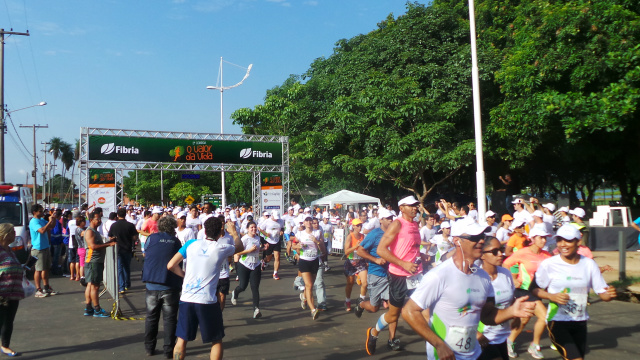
15 205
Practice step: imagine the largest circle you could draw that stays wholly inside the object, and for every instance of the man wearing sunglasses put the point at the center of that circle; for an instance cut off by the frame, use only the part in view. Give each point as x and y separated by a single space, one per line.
458 296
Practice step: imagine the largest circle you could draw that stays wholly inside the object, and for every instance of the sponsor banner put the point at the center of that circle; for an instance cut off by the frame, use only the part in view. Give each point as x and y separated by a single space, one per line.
102 189
271 191
337 243
123 148
102 178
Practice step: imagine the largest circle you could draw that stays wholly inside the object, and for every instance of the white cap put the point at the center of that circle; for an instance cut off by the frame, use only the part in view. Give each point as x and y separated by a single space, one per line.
409 200
568 232
518 201
489 213
445 225
265 213
177 209
549 206
275 215
516 224
181 214
157 210
564 209
307 209
538 231
472 229
384 213
364 208
325 215
579 212
538 213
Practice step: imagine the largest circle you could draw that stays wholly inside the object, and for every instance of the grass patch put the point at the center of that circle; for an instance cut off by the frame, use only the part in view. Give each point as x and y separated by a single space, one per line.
630 280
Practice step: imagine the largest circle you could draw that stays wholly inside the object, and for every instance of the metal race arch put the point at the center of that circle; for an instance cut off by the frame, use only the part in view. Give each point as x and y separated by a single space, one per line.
124 150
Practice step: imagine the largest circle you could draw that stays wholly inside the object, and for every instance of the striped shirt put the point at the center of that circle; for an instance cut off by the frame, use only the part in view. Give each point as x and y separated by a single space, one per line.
10 276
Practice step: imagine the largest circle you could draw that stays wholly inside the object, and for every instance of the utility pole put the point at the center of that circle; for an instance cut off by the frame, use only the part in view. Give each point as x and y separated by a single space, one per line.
44 170
2 33
35 166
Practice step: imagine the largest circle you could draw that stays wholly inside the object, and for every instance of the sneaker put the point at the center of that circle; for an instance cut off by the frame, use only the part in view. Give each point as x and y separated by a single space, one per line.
233 298
100 314
327 267
88 312
553 347
237 278
511 349
276 277
371 342
534 350
394 344
359 310
322 307
314 313
51 292
257 314
41 294
303 302
347 305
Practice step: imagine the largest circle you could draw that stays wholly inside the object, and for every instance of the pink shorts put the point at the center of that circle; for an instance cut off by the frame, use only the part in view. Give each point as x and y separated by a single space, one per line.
81 254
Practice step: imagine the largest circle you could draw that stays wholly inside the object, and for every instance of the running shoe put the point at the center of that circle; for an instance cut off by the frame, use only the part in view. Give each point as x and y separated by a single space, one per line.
553 347
233 298
303 302
394 344
314 313
511 349
327 267
276 277
51 292
534 350
322 307
100 314
41 294
237 278
257 314
347 305
88 312
371 342
359 309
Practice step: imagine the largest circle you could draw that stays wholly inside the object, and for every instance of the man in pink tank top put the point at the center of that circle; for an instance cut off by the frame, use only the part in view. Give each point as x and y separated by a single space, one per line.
400 247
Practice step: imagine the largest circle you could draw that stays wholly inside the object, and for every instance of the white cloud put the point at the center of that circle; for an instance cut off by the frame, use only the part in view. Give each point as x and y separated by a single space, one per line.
48 28
311 3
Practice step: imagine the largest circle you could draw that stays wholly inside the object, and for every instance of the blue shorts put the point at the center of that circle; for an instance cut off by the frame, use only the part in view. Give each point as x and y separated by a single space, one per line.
72 255
208 316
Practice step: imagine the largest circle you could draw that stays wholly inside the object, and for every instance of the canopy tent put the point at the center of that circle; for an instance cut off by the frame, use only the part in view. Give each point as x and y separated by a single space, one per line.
346 197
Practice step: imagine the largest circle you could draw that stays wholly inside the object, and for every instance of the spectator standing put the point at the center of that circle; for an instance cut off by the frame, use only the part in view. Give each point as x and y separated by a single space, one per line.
40 248
125 235
94 264
11 291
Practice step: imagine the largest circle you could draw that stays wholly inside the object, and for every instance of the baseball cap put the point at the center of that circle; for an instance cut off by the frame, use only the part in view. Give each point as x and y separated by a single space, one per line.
265 213
489 214
568 232
564 209
507 217
409 200
538 231
549 206
181 214
518 201
445 225
470 229
307 209
538 213
157 210
579 212
355 222
384 213
516 224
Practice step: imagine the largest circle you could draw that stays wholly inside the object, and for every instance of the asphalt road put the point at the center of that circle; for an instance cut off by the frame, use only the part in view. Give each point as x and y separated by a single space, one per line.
54 327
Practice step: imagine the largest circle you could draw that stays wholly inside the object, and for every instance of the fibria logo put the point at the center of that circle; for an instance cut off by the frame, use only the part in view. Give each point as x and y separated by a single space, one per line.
111 147
247 153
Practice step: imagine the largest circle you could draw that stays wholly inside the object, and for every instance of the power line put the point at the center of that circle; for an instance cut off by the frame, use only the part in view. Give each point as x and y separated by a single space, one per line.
17 146
17 134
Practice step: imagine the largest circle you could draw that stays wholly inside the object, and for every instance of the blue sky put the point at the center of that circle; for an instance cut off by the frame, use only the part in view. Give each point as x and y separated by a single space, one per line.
145 64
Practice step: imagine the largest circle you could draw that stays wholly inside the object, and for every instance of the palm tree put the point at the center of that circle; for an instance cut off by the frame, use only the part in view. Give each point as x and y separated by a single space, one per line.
54 148
66 156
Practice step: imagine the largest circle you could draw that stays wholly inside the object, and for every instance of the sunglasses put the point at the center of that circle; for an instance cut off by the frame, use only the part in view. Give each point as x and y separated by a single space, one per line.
495 251
473 238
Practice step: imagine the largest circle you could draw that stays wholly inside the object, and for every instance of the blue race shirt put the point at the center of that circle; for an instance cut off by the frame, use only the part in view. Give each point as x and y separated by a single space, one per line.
38 241
370 243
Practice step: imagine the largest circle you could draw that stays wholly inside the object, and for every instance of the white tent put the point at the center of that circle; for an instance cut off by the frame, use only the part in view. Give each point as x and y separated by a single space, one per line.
346 197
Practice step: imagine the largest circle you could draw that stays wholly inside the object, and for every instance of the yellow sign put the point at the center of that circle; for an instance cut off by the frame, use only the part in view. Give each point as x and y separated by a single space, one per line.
189 200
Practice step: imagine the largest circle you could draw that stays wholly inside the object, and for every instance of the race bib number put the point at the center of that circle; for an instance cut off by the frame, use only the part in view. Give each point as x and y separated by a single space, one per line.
576 305
250 259
413 281
461 339
309 251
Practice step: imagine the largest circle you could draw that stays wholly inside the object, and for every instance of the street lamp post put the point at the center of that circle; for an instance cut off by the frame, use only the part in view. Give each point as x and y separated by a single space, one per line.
222 89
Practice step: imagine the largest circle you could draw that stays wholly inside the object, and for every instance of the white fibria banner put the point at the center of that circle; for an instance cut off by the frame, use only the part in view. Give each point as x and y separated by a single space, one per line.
103 196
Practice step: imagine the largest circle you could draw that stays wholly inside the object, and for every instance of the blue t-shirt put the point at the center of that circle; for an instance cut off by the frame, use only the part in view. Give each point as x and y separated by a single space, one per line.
637 221
370 243
38 241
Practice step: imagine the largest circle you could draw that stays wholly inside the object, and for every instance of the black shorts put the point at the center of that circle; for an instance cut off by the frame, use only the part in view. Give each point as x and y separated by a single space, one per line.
309 266
495 351
93 272
272 248
398 290
223 286
207 316
521 292
72 255
570 337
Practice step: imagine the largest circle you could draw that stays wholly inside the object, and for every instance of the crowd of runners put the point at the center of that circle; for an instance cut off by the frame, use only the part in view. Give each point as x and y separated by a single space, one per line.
467 284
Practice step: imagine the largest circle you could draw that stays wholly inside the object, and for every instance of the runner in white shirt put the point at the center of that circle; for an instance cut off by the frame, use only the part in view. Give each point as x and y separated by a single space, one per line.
473 212
504 233
427 232
442 244
458 296
310 249
207 212
271 230
193 221
248 269
520 212
490 221
183 233
493 339
565 280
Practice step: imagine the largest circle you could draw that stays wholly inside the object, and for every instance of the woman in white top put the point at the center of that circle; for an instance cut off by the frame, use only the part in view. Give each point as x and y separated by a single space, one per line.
311 249
493 339
503 232
248 268
193 221
565 280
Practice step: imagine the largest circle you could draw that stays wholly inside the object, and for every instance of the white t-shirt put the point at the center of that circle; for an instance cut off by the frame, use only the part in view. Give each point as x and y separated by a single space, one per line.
502 235
492 231
185 235
441 247
272 229
251 260
193 224
556 275
327 231
203 257
426 235
372 223
503 288
224 268
309 249
549 219
455 301
289 223
473 214
203 217
72 231
523 215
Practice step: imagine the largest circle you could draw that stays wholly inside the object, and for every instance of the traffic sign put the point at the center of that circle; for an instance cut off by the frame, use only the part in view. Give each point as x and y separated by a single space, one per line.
189 200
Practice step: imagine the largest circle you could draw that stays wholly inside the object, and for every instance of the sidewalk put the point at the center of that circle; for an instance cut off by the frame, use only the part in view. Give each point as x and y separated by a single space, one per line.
54 327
